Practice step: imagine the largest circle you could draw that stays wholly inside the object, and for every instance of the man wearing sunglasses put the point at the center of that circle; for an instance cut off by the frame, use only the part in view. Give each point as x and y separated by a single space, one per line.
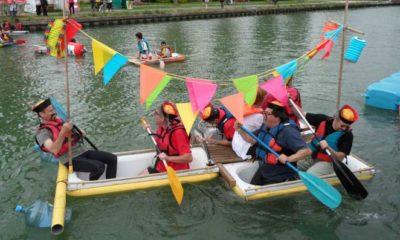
334 134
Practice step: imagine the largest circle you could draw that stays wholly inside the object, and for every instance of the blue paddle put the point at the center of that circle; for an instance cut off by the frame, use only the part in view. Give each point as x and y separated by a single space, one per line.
324 192
63 115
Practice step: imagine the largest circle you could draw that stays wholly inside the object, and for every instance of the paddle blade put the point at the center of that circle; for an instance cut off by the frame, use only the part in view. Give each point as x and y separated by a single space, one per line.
324 192
59 109
175 184
349 181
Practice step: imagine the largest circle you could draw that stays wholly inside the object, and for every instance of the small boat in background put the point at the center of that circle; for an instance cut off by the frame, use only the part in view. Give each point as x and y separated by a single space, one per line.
16 33
176 57
385 93
12 43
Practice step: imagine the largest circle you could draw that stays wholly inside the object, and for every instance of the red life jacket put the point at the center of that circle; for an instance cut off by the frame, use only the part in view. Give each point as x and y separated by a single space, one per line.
164 142
332 140
55 127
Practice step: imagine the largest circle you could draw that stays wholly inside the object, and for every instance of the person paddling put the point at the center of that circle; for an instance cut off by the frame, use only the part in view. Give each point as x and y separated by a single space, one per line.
171 139
52 137
335 134
283 136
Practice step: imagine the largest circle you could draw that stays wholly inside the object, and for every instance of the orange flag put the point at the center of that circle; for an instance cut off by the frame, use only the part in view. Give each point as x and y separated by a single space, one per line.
234 103
149 80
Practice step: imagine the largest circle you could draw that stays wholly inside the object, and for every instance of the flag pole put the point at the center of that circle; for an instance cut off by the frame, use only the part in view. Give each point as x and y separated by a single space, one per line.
339 92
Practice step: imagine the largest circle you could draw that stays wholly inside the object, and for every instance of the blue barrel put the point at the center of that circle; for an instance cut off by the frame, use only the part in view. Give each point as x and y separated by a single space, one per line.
354 50
39 214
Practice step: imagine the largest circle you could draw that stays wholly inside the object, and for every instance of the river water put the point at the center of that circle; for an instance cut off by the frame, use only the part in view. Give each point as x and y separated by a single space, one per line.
218 49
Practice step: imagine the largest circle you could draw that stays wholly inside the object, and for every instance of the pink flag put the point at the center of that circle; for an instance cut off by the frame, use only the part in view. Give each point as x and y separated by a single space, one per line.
200 92
328 49
276 88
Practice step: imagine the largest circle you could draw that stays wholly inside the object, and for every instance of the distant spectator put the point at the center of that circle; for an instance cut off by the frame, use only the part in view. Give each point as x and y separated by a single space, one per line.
38 7
13 9
109 6
222 3
206 3
71 7
20 6
274 2
93 5
44 5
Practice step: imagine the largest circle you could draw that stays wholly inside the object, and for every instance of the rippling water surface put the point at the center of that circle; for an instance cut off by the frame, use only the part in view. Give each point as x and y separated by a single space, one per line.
219 49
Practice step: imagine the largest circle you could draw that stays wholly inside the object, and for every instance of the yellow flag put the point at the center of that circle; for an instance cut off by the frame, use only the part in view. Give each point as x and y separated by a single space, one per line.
101 55
187 115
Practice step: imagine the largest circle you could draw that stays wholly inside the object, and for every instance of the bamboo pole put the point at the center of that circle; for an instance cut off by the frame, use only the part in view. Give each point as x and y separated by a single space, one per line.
339 92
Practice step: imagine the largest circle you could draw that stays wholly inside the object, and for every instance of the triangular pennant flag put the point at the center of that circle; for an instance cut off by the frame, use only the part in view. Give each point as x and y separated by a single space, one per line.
276 88
328 48
334 34
113 66
72 28
200 92
287 70
101 55
248 86
157 91
149 80
234 103
186 114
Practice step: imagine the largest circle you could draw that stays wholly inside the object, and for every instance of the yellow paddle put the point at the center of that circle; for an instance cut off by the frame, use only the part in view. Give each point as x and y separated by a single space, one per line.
174 182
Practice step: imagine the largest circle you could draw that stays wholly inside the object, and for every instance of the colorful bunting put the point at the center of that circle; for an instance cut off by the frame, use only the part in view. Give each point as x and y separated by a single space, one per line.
107 58
163 83
200 92
331 36
277 89
234 103
149 79
248 86
186 114
72 28
113 66
287 70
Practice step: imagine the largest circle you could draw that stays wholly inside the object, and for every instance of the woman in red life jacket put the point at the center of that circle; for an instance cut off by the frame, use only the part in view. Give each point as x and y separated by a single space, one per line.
334 134
52 136
171 139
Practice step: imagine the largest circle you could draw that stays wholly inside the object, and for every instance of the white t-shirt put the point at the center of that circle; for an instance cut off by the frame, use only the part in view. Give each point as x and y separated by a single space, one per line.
239 145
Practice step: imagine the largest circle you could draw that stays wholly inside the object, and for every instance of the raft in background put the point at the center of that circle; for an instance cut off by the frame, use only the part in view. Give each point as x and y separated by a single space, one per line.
238 176
15 42
176 57
130 165
385 93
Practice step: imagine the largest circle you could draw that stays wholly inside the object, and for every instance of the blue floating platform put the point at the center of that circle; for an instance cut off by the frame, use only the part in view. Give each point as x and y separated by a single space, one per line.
385 93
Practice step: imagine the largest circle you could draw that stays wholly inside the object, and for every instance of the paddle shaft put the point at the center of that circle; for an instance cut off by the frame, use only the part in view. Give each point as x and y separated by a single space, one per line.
86 138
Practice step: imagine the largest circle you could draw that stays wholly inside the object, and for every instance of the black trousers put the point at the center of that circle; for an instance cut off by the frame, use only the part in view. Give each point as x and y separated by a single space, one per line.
94 162
259 179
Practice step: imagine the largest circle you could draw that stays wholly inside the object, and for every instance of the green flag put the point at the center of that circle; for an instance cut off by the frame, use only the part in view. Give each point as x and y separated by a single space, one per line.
248 86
